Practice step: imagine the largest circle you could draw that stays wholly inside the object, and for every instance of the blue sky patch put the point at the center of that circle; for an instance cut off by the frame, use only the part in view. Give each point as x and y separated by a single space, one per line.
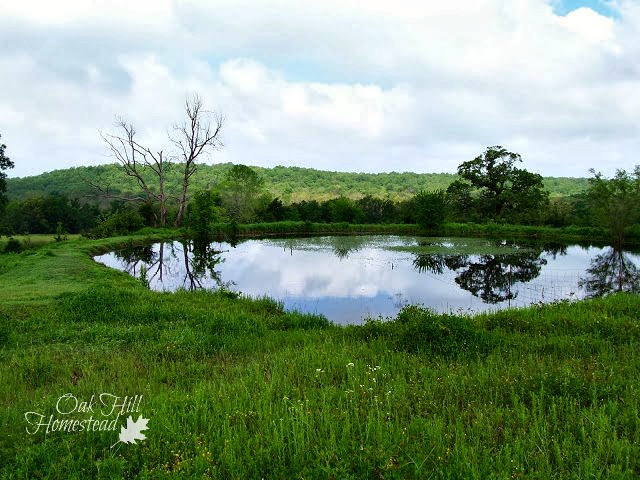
562 7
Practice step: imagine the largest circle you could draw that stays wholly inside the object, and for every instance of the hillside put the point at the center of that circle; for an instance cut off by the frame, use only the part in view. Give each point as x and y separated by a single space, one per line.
291 184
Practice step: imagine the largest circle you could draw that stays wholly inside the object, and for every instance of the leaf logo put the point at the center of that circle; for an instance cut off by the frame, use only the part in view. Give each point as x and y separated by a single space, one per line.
133 430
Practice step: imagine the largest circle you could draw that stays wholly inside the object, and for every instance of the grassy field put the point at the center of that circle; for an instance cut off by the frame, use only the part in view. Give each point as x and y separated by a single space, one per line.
35 240
237 388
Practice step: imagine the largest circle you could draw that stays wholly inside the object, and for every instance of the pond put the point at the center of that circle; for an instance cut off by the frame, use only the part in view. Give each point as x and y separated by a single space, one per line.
350 278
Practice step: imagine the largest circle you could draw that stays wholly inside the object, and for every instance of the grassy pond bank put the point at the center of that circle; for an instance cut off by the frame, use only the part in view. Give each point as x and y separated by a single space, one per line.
234 387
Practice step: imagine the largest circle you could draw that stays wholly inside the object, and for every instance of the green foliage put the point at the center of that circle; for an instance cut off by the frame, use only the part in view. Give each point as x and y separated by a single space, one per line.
240 192
462 205
274 212
615 201
60 236
431 209
150 212
342 209
119 223
237 388
377 210
492 188
418 330
560 212
41 214
5 163
144 277
13 246
290 184
204 212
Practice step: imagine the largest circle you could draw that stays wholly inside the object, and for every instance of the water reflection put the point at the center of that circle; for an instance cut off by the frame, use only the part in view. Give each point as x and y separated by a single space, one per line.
611 271
492 278
340 245
200 262
348 278
133 258
193 263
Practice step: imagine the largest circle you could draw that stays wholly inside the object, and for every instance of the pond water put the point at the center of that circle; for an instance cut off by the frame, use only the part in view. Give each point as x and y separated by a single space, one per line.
350 278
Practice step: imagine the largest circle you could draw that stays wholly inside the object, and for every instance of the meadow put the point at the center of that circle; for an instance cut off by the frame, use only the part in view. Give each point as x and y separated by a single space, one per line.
238 388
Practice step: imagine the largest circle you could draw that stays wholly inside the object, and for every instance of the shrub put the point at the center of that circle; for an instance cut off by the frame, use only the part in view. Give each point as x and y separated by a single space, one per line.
13 246
416 329
120 223
441 334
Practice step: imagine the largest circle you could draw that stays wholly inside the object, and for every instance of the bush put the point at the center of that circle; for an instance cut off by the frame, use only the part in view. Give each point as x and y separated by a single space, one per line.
416 329
119 223
430 209
13 246
441 334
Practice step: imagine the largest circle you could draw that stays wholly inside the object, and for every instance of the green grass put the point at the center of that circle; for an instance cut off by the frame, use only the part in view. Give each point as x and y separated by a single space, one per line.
36 240
237 388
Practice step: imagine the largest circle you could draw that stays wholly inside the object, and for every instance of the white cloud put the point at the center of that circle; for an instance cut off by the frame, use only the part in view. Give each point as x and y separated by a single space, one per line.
66 12
347 85
588 24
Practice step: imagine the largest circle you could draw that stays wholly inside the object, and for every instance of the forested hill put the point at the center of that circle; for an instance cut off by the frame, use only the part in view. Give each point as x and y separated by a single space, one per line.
291 184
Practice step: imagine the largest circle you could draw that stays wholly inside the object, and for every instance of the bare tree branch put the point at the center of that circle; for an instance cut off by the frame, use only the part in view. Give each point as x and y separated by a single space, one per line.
135 159
199 133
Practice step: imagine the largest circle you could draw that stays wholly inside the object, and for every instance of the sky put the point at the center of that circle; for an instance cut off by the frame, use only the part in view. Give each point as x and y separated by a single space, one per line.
345 85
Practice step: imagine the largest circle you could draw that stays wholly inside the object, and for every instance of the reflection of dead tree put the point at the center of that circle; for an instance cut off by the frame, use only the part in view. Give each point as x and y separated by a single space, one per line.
136 257
192 138
194 280
158 265
200 260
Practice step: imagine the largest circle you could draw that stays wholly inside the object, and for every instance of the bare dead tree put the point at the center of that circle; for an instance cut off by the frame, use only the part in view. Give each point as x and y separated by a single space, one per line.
197 135
200 133
136 160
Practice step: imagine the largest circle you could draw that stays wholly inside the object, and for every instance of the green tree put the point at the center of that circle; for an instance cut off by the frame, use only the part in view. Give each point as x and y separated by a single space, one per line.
241 191
559 212
377 210
342 209
462 205
502 191
5 164
431 209
205 211
614 202
275 211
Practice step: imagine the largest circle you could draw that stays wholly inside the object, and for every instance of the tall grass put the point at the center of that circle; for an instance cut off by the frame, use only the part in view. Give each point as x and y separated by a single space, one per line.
238 388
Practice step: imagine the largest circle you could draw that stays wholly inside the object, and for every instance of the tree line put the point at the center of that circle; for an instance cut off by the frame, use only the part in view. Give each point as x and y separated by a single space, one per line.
290 184
155 188
491 188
